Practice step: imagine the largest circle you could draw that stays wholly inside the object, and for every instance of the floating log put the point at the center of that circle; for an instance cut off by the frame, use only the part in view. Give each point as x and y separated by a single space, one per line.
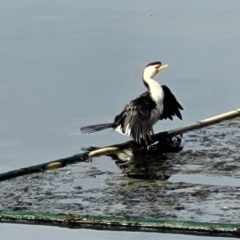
94 152
177 131
202 123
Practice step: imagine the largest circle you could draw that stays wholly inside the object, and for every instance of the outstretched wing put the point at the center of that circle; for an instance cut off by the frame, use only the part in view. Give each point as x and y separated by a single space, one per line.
171 107
134 120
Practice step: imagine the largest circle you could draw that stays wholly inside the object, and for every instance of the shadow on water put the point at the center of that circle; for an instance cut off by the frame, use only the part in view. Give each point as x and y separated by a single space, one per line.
199 182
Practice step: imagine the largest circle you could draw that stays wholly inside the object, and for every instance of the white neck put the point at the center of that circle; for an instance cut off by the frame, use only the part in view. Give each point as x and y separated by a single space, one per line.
155 90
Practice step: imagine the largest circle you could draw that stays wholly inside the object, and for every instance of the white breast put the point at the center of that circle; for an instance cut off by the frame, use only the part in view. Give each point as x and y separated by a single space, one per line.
157 95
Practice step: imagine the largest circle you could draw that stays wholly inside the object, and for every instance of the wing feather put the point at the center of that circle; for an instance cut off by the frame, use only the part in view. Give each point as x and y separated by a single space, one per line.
171 107
135 117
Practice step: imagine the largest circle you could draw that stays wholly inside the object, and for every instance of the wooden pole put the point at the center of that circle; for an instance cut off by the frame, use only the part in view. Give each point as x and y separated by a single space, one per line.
163 135
200 124
94 152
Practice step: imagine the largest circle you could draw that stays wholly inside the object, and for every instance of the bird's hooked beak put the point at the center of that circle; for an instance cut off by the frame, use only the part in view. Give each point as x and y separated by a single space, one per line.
161 66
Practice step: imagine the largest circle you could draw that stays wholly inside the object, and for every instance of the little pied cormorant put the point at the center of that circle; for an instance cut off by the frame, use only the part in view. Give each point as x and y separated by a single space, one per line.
139 115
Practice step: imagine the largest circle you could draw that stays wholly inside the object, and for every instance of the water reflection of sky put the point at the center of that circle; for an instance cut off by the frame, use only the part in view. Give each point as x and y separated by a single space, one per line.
67 64
61 234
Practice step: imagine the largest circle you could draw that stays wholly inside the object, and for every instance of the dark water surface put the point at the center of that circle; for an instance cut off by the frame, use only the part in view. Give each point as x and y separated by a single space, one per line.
202 183
66 64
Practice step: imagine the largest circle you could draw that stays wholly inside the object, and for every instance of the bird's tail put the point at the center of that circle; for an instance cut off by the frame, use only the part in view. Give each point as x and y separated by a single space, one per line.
95 128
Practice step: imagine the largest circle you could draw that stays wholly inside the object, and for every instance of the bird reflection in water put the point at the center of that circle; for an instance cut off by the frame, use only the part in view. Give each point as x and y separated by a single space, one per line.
139 163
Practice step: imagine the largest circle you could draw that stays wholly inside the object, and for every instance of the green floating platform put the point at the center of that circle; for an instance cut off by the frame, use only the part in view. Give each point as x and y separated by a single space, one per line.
119 223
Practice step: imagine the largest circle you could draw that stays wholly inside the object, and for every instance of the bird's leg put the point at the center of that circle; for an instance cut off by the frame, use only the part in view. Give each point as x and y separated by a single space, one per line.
145 144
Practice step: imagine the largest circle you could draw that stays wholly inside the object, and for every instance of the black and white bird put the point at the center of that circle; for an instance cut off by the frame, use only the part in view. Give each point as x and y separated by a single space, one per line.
139 115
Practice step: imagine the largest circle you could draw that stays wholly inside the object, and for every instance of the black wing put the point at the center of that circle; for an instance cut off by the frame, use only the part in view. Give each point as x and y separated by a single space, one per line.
95 128
171 107
136 115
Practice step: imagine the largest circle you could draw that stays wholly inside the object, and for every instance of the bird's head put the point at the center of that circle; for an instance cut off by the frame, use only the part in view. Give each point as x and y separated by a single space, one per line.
152 69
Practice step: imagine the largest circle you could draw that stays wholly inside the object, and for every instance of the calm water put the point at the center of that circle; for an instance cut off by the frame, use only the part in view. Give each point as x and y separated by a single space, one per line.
39 233
66 64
